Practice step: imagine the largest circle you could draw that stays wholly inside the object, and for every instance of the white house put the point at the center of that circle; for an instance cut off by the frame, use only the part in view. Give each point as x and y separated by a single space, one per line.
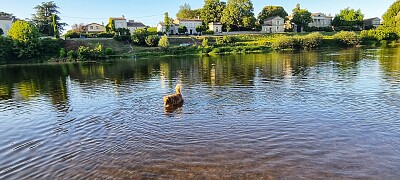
162 28
6 23
189 23
273 25
215 26
372 23
95 28
133 26
320 20
119 22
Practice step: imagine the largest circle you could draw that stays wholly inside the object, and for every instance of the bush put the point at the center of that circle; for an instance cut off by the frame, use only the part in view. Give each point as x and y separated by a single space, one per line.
226 40
140 35
71 55
208 32
109 51
63 54
283 42
378 35
7 52
152 40
49 46
122 38
84 53
205 42
72 34
347 38
164 42
105 35
311 41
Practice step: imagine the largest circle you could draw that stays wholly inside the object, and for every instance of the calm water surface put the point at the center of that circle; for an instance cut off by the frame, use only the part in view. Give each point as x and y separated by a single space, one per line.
320 114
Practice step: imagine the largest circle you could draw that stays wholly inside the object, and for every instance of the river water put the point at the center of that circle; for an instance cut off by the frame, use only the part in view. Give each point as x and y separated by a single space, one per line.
319 114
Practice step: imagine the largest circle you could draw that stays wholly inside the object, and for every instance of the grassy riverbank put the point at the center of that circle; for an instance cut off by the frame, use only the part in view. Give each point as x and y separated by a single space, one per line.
229 44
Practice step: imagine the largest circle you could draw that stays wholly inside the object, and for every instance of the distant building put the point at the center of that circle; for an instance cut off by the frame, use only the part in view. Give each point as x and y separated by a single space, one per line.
95 28
274 24
215 26
119 22
372 23
133 26
189 23
6 23
162 28
320 20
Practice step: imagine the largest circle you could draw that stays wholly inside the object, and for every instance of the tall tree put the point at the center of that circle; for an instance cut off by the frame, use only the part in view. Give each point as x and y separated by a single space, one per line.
348 17
44 17
110 27
271 11
167 23
301 17
212 11
55 26
391 19
238 13
185 12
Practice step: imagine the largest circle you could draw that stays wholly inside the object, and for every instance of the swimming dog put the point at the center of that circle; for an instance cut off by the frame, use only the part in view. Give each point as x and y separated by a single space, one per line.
174 99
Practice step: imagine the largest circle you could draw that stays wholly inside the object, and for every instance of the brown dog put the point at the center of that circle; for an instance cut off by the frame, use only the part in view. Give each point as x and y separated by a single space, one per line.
174 99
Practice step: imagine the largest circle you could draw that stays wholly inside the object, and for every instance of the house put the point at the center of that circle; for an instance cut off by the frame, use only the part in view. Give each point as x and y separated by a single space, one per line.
372 23
119 22
95 28
162 28
132 26
189 23
6 23
273 25
320 20
215 26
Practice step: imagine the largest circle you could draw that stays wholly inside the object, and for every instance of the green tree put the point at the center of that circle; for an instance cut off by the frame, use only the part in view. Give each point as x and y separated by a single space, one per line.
185 12
6 50
238 13
271 11
182 29
391 19
212 11
349 18
55 26
301 17
164 42
152 40
44 17
110 27
24 32
200 28
167 23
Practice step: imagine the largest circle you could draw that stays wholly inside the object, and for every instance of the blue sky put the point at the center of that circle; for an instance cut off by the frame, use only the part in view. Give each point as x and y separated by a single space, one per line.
150 12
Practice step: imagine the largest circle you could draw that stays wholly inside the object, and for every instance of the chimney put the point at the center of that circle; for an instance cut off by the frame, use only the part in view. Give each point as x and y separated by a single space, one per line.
123 16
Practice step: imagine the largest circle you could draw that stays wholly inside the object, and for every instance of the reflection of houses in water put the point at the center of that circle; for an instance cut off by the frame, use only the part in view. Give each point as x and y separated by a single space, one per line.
165 74
212 74
287 68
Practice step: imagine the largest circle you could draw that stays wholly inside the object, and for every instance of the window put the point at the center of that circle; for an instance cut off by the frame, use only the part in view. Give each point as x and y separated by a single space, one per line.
277 22
97 27
91 27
